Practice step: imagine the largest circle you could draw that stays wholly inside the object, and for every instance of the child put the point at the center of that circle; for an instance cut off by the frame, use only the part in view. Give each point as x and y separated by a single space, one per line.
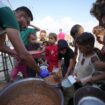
44 45
19 67
99 32
33 45
68 55
65 53
52 52
61 35
76 31
43 48
85 66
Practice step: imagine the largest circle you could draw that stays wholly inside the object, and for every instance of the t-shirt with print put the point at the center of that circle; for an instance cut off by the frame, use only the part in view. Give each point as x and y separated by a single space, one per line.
85 66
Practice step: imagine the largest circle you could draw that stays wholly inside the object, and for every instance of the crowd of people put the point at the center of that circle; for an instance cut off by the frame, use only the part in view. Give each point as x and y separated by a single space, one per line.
86 61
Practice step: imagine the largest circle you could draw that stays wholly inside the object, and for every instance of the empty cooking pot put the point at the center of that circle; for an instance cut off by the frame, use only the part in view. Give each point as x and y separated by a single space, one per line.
89 96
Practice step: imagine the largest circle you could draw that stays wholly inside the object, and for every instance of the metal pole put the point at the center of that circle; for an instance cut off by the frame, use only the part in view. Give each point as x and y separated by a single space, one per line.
5 67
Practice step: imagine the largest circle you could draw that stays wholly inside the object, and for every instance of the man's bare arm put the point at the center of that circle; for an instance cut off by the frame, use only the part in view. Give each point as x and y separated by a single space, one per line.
14 37
35 27
4 48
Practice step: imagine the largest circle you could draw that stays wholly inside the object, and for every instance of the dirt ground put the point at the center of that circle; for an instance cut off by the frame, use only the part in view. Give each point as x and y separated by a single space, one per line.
2 85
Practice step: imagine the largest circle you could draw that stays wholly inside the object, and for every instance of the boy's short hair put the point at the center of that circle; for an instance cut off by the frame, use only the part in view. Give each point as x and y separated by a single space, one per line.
26 10
53 35
86 39
75 30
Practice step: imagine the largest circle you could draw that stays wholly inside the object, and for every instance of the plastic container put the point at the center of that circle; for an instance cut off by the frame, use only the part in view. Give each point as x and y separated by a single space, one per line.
43 71
68 82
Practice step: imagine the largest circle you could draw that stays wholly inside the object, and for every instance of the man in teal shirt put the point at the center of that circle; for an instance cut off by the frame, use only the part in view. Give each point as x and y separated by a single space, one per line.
9 24
24 24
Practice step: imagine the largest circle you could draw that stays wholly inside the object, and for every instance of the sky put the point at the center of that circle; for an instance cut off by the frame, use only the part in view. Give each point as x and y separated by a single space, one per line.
54 14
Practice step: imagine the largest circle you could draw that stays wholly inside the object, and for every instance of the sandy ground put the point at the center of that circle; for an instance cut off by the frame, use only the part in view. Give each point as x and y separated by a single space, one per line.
2 85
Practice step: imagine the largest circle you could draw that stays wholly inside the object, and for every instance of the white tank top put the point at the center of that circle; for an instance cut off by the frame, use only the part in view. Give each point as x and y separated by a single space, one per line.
87 68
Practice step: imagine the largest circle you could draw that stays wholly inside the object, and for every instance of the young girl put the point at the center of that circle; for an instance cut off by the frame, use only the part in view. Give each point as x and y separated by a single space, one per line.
85 66
68 55
52 52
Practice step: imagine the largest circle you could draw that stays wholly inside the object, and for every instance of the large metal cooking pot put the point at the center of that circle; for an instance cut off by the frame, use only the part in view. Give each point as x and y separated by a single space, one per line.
89 96
30 85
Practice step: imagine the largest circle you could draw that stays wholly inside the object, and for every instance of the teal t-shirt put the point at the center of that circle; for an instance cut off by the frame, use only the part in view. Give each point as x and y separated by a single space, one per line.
25 33
7 18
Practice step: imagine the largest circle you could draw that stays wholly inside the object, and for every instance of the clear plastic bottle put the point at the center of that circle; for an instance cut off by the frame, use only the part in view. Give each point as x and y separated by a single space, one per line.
62 62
